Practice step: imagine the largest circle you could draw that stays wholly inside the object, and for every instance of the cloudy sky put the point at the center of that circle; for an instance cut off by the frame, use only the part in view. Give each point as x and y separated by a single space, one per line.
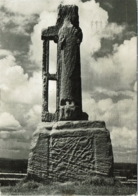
108 63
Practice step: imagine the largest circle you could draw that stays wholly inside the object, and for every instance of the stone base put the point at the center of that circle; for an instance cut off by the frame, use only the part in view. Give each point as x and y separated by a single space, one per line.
70 151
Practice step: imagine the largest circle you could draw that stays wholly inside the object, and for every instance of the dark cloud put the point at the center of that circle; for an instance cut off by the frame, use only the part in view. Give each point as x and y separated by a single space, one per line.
107 44
17 23
23 60
15 31
120 11
106 48
13 42
19 46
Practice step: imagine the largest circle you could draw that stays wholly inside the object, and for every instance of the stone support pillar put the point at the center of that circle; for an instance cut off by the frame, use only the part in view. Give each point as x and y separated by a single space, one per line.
45 70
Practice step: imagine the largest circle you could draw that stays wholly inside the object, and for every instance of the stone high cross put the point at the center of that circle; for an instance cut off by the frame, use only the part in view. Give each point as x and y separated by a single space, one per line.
72 149
68 36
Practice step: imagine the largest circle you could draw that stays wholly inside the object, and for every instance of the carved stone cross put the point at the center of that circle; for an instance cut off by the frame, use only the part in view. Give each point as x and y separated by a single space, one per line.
68 36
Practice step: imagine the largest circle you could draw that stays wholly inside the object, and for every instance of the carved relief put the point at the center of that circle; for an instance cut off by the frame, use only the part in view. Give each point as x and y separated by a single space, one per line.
68 36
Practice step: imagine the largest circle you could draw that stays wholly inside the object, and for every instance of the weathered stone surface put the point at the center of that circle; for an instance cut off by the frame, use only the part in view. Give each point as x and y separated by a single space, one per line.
68 36
39 155
67 150
70 11
73 151
62 125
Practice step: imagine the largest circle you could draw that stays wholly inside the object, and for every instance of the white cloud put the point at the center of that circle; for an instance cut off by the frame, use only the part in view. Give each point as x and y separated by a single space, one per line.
111 93
112 30
135 86
29 92
18 94
4 53
8 122
46 19
16 135
117 71
29 7
16 86
120 118
33 117
123 137
122 113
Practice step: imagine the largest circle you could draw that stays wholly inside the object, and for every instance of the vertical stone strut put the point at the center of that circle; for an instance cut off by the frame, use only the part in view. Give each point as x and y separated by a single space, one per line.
58 80
45 69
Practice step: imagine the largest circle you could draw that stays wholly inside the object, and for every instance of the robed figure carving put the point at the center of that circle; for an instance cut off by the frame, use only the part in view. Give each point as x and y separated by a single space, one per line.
70 38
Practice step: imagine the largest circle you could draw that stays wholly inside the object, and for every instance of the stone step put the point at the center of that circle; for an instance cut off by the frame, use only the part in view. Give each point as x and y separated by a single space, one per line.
9 181
121 178
12 175
129 183
126 181
132 180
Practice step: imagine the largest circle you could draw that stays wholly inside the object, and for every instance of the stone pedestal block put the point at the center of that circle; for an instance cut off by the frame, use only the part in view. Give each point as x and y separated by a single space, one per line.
70 150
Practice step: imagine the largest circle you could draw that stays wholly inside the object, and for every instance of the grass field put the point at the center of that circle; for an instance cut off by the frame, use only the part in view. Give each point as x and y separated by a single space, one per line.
96 187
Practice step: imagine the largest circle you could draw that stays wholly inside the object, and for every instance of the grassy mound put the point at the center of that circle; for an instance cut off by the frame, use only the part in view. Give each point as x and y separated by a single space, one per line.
93 186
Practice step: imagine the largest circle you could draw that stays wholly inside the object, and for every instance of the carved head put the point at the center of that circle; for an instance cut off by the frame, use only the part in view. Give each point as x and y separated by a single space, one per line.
70 12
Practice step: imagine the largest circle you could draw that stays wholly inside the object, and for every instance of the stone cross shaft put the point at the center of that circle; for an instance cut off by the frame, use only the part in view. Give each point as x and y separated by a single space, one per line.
68 36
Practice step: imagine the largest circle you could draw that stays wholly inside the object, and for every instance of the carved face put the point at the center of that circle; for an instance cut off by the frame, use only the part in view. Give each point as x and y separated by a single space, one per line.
70 11
67 20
